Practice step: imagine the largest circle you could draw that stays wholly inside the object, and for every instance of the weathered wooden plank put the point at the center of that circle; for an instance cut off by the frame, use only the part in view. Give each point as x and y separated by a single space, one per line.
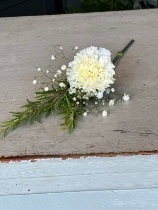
26 43
109 200
74 175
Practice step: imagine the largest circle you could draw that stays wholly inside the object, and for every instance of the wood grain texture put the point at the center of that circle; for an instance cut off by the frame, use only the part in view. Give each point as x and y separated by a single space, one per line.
75 175
26 43
145 199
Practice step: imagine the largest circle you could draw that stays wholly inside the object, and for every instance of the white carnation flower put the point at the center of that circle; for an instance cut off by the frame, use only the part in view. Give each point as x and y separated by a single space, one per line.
104 113
70 64
126 97
111 102
63 67
91 70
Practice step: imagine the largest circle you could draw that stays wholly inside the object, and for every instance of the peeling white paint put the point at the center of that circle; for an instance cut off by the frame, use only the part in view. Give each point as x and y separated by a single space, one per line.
95 200
96 183
84 174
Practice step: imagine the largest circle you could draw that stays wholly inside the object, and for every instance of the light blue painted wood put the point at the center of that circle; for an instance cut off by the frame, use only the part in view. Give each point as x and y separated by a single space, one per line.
83 174
146 199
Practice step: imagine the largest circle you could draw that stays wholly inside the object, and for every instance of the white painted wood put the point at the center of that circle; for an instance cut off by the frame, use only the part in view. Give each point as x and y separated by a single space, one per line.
84 174
146 199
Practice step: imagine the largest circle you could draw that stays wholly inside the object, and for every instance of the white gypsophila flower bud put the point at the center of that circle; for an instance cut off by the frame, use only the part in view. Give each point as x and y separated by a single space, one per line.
126 97
47 71
63 67
84 97
61 84
61 48
100 95
74 98
53 57
55 75
104 113
53 80
112 90
59 72
46 88
76 48
91 94
111 102
79 96
34 82
73 90
96 102
107 91
39 69
77 102
85 114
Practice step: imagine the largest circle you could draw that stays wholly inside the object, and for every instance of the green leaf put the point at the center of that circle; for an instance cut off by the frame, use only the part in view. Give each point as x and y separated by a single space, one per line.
68 102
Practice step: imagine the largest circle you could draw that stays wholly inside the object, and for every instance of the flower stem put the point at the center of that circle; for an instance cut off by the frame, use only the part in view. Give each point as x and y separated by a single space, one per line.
120 54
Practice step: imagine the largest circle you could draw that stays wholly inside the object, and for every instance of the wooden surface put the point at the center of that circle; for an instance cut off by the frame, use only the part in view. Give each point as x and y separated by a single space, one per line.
26 43
130 173
109 200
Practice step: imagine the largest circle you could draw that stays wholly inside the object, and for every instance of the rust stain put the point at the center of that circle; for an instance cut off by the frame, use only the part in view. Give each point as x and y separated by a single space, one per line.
34 158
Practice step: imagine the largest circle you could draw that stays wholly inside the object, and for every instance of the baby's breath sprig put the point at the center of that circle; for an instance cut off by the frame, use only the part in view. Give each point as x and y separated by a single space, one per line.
86 82
59 53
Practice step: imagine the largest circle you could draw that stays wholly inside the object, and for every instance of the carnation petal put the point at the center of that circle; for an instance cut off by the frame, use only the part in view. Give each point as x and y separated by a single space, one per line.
104 52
